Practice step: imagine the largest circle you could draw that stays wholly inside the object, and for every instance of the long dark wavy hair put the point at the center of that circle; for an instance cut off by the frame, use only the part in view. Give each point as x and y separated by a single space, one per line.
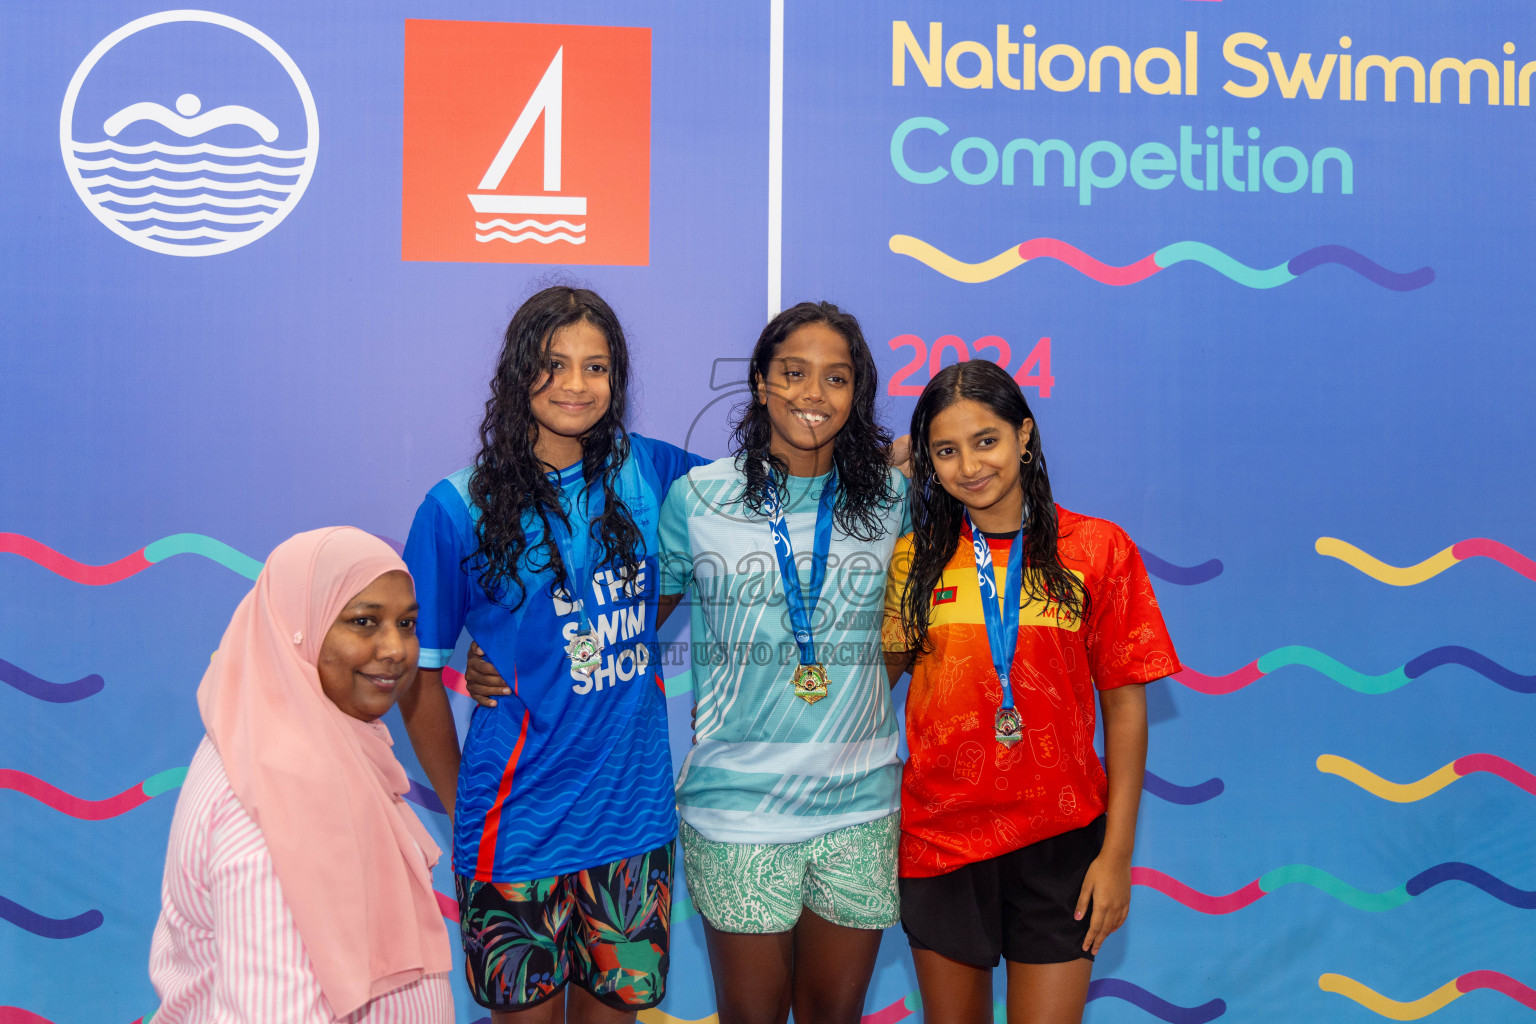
937 515
509 481
860 447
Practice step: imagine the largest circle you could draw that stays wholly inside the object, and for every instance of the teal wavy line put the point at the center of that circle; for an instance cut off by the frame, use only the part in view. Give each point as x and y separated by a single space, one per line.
163 782
1317 878
213 550
1335 670
1223 264
680 684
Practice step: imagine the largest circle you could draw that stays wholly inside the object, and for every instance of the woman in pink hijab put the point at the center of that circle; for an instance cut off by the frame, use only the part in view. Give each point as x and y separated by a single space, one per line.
298 884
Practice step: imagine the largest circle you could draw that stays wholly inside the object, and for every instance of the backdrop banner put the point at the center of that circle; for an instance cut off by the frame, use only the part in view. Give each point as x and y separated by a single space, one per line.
1256 266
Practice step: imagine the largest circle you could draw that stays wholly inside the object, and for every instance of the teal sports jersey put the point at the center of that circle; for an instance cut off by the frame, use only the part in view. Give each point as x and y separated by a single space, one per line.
768 767
570 771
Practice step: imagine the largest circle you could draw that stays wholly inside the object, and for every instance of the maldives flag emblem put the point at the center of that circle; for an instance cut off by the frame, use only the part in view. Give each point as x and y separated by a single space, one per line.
943 595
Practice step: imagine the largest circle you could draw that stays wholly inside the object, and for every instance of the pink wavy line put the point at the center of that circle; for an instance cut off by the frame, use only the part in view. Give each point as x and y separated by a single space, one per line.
87 810
63 565
1518 991
889 1015
1219 685
16 1015
1056 249
454 680
448 905
1482 547
1495 765
1193 898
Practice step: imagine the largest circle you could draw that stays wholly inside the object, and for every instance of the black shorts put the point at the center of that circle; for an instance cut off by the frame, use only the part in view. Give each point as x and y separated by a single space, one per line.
1018 906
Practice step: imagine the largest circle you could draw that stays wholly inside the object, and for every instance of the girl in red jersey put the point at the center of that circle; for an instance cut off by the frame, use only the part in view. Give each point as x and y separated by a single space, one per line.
1010 612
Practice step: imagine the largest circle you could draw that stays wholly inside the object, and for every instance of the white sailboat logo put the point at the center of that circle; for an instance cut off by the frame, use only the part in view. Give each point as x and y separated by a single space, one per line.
195 199
546 100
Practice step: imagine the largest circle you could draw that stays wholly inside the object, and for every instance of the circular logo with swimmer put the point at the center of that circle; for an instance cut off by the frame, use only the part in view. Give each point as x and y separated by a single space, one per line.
189 133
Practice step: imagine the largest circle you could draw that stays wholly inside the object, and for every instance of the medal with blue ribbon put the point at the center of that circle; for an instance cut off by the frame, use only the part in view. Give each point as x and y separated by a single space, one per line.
584 649
810 679
1002 622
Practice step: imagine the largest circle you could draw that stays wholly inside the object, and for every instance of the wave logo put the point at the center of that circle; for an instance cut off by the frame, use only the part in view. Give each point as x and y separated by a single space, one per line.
519 137
189 133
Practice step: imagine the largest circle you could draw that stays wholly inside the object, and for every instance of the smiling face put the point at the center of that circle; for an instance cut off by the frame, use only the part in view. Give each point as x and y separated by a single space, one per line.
976 456
808 393
573 393
369 654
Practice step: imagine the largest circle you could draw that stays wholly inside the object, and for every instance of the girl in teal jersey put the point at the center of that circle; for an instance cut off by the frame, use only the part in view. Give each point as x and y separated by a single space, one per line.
789 796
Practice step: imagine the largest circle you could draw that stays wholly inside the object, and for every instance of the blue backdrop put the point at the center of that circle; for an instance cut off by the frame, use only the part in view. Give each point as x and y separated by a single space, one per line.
1306 401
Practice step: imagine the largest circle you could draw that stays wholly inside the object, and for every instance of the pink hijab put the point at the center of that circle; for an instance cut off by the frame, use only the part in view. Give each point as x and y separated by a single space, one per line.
325 789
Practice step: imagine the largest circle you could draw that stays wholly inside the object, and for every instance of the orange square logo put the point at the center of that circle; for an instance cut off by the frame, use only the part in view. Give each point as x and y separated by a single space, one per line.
527 143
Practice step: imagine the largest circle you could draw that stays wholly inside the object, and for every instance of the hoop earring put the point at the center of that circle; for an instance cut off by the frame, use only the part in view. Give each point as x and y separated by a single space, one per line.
1027 457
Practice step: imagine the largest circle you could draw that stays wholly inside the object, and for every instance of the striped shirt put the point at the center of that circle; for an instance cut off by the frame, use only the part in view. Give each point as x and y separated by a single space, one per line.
768 767
226 949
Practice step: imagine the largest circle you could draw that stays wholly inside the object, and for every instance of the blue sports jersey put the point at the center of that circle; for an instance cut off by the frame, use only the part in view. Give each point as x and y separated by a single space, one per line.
571 771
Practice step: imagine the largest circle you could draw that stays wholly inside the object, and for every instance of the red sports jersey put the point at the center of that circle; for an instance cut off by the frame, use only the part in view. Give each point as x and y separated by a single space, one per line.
964 796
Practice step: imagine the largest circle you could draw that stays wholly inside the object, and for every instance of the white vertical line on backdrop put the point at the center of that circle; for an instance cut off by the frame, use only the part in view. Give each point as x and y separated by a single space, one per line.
775 155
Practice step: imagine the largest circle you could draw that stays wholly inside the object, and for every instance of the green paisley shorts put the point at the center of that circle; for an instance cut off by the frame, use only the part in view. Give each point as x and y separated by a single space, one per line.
847 877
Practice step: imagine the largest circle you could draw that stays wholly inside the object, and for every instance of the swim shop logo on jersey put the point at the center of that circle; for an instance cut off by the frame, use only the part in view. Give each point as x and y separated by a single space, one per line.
618 620
526 143
189 133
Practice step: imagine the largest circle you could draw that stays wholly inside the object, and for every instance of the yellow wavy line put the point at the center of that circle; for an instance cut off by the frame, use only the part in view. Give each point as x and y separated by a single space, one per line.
1378 1003
944 263
1397 792
1375 568
658 1017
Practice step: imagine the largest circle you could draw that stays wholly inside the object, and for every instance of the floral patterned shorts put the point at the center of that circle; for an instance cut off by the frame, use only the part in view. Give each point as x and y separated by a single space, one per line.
847 877
606 929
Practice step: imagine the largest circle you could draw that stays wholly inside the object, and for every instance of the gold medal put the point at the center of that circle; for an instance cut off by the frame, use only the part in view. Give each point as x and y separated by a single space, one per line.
585 652
1008 727
810 682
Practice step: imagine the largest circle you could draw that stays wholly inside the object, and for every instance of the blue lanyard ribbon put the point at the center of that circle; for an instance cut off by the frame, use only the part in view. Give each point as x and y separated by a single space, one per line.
802 604
575 547
1002 624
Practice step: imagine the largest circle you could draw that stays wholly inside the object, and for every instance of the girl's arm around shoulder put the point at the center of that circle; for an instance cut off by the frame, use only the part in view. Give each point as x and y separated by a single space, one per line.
899 656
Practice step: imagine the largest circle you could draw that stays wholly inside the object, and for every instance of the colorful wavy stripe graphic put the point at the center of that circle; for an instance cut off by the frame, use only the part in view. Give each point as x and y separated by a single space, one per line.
1435 1001
1114 988
1317 878
1409 575
453 679
92 810
1360 682
42 689
1103 988
129 565
1408 792
1169 255
1184 576
49 927
422 796
448 905
16 1015
1174 793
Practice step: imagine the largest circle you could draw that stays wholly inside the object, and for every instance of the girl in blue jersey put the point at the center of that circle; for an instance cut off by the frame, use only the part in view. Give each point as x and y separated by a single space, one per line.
789 797
544 550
